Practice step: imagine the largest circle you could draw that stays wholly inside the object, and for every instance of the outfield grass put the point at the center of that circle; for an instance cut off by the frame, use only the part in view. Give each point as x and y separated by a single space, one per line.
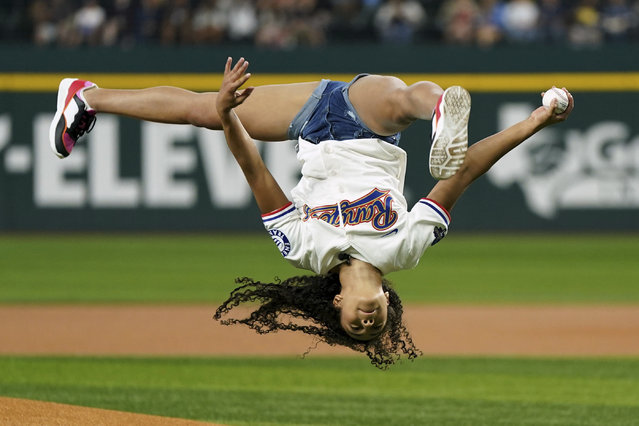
317 391
197 269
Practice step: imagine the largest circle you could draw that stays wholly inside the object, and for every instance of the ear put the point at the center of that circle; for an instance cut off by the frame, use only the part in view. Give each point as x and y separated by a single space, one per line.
337 301
387 298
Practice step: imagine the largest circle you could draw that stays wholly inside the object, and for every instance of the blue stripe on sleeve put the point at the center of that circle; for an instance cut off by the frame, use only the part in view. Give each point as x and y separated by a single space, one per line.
436 209
279 214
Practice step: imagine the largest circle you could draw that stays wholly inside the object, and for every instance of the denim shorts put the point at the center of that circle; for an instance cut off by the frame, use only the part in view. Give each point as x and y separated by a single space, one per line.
329 115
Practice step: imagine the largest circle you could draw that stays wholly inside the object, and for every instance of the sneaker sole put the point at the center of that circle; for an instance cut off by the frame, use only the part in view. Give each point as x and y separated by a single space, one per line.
448 149
59 123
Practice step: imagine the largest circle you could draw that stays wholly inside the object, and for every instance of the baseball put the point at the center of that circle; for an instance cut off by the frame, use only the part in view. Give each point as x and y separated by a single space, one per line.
560 95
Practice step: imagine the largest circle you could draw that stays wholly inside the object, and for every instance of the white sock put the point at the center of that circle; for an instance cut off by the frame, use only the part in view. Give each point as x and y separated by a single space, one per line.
81 96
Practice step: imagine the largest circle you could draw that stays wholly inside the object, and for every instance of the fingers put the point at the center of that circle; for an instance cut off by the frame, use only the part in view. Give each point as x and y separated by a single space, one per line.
237 75
571 100
227 67
241 96
240 66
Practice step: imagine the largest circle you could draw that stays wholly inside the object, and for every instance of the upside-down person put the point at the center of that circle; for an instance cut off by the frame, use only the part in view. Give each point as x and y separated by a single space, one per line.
348 220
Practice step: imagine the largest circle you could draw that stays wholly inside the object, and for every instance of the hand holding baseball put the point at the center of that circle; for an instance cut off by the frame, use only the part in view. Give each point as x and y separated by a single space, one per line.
558 95
547 114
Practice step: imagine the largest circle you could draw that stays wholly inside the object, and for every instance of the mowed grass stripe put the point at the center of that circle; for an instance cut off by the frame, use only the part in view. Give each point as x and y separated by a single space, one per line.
340 391
202 268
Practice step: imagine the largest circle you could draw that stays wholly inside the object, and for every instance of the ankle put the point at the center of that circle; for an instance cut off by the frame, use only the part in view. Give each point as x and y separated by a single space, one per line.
88 97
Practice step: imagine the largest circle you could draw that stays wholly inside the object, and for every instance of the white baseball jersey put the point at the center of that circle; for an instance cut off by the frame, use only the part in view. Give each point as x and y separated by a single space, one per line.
349 200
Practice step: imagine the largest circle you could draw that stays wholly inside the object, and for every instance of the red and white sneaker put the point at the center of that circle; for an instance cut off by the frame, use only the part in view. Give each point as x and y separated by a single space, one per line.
450 133
73 118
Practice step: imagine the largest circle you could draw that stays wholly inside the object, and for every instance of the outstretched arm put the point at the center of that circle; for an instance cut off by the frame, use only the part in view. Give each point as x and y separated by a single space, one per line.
482 155
266 190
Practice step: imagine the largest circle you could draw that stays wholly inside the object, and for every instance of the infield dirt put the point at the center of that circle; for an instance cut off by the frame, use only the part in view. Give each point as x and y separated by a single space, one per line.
436 330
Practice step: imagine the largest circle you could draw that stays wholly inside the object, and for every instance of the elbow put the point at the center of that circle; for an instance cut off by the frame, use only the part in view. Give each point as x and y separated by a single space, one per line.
469 171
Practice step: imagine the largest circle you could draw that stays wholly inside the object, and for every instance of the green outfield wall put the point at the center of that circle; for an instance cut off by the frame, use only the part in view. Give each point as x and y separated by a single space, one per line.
130 175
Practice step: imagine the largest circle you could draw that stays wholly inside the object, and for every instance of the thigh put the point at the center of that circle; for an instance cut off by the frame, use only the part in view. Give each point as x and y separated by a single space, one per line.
268 112
374 97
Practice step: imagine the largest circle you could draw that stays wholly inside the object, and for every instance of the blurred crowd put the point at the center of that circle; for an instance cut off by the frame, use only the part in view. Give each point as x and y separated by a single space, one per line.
283 24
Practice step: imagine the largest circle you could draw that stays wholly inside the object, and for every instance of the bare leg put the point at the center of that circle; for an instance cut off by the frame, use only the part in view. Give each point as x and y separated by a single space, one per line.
387 105
266 114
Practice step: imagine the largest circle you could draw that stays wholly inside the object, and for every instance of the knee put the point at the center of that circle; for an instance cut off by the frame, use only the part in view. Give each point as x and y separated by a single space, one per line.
426 91
203 113
418 100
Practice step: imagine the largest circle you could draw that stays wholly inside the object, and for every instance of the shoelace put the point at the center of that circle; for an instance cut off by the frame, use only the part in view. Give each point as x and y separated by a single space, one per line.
82 124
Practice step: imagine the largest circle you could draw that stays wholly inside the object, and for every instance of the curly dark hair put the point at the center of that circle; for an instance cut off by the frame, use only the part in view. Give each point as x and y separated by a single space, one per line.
309 300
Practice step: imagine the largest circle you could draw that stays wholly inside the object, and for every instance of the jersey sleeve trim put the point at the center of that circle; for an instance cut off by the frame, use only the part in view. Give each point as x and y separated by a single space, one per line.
276 214
441 211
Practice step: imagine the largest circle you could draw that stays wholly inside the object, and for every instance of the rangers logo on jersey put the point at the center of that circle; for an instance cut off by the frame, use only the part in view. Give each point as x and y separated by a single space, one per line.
281 241
375 207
